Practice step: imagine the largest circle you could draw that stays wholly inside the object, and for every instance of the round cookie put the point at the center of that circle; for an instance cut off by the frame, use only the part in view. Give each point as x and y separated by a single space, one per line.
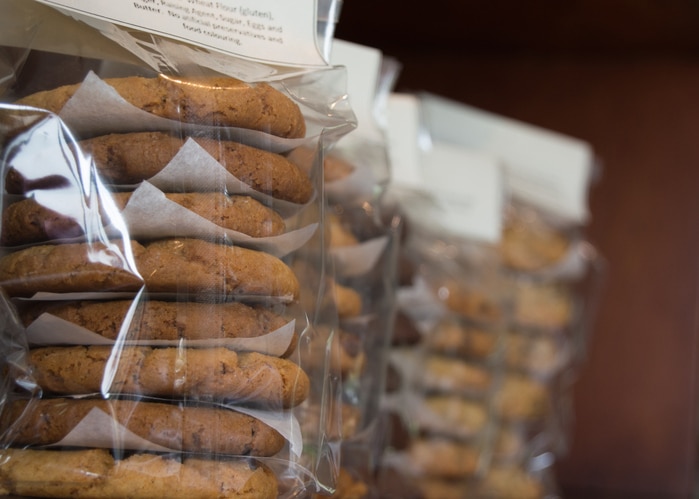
175 427
439 457
455 416
542 305
189 266
28 221
341 354
90 473
529 243
208 373
209 269
212 101
446 374
451 337
481 305
162 320
130 158
68 268
521 398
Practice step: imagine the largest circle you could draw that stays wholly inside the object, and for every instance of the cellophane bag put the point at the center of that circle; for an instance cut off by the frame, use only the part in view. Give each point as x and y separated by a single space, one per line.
448 373
445 366
553 276
363 246
158 331
537 282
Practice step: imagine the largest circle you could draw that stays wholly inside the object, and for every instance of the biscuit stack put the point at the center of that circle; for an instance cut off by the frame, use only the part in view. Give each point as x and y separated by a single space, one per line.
508 322
171 365
459 361
550 272
362 248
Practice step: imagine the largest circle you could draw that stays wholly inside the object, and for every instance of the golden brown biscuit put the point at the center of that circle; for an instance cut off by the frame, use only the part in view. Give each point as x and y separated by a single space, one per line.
347 300
440 488
201 267
216 373
68 268
455 338
340 235
508 482
175 427
445 374
183 266
213 101
161 320
528 244
459 416
471 303
542 305
343 300
130 158
336 421
539 354
95 473
342 351
334 167
439 457
27 221
521 398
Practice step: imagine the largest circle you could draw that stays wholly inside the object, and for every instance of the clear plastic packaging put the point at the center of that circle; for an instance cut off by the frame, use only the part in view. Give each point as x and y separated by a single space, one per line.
158 340
497 306
362 247
442 410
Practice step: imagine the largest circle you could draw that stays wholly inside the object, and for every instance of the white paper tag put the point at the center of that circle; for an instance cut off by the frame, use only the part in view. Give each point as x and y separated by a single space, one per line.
270 31
402 135
468 190
363 65
547 169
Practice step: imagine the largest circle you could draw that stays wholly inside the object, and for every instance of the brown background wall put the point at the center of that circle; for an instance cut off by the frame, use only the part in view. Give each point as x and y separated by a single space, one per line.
622 75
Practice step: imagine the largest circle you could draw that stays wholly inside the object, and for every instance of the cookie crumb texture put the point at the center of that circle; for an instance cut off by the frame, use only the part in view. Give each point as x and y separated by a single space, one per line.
28 221
95 473
200 429
161 320
215 101
210 374
182 266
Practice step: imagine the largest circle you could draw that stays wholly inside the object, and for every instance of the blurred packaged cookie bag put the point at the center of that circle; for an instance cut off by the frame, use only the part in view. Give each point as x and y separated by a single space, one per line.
451 200
362 249
158 337
554 274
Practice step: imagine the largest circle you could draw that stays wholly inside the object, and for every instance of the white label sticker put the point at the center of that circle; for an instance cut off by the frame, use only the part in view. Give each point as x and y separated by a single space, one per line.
402 136
468 188
545 168
363 65
270 31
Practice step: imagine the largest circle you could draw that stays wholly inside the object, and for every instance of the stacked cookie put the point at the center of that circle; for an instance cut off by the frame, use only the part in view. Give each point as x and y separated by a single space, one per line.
170 327
539 350
461 373
362 247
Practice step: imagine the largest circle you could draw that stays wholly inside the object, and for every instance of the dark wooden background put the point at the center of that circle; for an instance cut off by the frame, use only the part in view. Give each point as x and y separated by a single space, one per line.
622 75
